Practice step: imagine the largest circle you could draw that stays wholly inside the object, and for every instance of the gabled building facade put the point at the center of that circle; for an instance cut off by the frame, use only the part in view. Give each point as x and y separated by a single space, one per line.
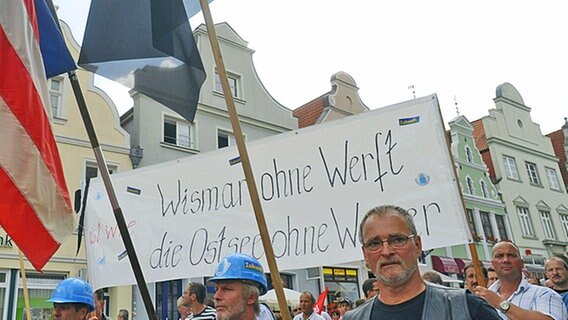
559 140
163 135
343 100
485 212
523 165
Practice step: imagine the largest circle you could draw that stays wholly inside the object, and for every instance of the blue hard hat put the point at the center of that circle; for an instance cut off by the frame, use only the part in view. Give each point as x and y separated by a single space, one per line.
239 266
73 290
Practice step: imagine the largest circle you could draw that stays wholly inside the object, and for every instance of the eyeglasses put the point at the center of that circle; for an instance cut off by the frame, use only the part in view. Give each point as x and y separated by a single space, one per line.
394 242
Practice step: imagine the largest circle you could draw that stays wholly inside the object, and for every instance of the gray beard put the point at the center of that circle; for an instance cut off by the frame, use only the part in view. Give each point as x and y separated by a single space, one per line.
235 315
397 280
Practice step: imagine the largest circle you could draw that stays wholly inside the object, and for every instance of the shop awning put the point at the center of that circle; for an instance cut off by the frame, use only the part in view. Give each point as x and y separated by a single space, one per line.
462 262
534 268
424 268
445 264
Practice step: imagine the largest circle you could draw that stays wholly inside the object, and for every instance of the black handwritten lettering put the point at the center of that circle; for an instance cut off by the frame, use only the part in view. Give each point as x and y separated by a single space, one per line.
430 208
212 198
356 168
165 256
198 245
280 183
352 234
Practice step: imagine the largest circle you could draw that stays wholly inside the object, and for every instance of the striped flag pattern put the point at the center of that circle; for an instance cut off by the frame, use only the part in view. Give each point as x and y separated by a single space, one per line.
35 208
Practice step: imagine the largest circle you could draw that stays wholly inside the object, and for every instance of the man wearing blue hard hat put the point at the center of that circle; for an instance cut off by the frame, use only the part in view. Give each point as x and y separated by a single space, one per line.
72 300
239 282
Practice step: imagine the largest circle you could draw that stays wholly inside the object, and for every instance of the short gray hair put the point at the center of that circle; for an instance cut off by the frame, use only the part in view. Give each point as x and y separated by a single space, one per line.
251 288
383 211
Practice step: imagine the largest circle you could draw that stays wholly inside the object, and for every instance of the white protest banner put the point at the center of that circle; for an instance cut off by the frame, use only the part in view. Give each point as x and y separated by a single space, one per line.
315 185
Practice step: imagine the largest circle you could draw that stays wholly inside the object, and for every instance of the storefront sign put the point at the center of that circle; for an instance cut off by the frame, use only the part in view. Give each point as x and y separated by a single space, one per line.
315 185
6 241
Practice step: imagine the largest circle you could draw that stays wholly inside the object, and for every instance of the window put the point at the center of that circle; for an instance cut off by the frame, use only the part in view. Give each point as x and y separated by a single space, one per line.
285 279
510 168
526 226
92 170
486 223
233 84
564 221
342 283
547 225
533 173
552 178
471 222
468 154
40 288
3 289
484 191
179 133
167 293
225 139
470 188
56 97
501 227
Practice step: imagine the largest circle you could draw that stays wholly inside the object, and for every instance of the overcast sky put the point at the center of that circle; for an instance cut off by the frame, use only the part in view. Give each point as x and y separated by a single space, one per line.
453 48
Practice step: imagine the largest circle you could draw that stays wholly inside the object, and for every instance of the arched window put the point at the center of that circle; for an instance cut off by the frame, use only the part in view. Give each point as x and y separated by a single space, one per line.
470 188
484 191
468 154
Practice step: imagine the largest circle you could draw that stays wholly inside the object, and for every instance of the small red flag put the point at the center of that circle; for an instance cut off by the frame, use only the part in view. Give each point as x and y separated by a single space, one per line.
321 301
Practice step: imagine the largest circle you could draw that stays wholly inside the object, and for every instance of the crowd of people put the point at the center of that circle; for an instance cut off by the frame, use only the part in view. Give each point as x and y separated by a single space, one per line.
391 247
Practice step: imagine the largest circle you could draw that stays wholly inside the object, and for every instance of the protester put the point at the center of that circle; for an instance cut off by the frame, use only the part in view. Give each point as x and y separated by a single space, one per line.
470 276
432 277
556 270
391 247
297 310
194 297
370 288
512 295
100 305
122 314
307 302
72 300
265 313
184 311
491 276
344 305
335 315
239 282
533 280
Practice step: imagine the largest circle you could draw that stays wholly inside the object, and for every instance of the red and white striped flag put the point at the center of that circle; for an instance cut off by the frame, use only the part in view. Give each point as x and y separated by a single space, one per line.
35 209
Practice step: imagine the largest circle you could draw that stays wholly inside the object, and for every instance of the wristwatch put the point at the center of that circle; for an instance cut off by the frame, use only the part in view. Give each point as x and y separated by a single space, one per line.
504 306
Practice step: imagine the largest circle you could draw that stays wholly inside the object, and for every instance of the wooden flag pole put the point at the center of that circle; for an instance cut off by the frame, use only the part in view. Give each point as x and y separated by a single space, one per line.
103 170
121 222
245 161
25 287
472 247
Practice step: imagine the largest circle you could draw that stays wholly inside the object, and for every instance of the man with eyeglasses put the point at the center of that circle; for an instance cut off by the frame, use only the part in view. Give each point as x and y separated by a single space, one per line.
512 295
391 247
